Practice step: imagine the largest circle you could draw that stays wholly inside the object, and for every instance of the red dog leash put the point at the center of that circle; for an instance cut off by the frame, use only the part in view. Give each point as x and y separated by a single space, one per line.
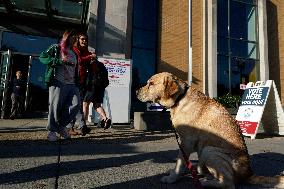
189 165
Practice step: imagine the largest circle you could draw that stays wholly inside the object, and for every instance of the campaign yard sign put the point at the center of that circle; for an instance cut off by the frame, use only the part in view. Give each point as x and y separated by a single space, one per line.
260 102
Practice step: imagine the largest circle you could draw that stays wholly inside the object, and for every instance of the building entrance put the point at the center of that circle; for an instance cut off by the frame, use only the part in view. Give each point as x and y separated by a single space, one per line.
21 52
35 92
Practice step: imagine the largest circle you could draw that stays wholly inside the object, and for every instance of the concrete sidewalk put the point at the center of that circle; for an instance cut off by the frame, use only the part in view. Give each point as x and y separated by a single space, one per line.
119 157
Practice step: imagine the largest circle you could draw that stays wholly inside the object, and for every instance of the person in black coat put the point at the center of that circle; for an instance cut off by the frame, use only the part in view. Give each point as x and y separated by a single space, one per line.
18 95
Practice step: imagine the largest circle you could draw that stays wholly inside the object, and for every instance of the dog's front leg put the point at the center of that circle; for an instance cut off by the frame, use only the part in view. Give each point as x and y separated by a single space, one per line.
175 173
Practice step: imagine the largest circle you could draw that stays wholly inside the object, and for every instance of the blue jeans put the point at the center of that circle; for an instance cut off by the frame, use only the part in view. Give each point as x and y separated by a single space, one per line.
64 104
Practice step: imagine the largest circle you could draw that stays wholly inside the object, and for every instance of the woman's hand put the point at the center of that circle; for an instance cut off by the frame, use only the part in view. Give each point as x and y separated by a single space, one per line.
93 56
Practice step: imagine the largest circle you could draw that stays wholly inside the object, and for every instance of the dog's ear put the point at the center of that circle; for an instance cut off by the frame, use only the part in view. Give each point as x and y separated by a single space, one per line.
170 93
171 87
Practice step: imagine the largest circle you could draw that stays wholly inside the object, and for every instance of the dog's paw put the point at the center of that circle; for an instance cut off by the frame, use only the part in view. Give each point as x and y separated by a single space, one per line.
170 178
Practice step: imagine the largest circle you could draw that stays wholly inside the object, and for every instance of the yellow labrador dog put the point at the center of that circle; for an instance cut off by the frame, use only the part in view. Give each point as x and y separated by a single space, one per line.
205 127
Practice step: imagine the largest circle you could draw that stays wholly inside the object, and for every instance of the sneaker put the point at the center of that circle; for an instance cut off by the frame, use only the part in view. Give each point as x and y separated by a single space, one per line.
85 130
64 133
102 123
52 136
107 124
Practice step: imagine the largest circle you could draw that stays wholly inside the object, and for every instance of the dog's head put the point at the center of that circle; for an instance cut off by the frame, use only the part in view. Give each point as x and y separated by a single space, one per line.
163 88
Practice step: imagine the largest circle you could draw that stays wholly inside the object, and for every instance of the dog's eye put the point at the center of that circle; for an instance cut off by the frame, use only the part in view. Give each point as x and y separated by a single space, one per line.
150 83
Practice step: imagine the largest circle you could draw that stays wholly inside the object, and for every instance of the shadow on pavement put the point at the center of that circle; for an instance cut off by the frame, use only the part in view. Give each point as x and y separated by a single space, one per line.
14 148
71 167
268 164
152 182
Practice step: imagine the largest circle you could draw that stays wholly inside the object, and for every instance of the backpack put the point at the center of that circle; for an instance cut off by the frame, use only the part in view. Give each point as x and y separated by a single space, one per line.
100 77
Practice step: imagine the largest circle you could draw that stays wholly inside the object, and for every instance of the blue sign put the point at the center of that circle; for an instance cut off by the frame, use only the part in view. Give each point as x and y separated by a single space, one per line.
255 96
155 107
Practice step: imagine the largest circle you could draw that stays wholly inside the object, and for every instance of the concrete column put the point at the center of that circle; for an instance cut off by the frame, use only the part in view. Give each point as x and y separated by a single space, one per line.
263 43
189 42
210 51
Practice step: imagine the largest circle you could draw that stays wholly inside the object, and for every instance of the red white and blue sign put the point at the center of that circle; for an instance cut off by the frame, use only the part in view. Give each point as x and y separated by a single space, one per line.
251 109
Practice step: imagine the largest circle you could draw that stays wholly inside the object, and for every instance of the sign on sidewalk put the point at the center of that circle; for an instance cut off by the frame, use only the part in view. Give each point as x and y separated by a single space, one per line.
155 107
261 103
117 98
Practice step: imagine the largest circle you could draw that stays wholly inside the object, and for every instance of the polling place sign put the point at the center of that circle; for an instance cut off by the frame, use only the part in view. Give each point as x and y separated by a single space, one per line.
258 102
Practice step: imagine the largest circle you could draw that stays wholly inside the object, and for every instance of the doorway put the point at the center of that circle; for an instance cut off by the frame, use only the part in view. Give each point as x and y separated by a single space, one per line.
21 51
36 93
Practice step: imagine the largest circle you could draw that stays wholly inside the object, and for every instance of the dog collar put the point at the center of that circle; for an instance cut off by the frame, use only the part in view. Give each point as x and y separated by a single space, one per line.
181 95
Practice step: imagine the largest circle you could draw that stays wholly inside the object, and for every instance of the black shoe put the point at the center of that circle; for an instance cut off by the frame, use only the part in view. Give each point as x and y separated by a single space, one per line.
102 123
107 124
85 130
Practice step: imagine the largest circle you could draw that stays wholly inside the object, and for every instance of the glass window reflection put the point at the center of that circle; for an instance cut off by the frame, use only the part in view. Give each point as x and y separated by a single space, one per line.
237 45
72 9
223 75
243 21
37 77
243 49
247 1
222 15
30 5
25 43
222 46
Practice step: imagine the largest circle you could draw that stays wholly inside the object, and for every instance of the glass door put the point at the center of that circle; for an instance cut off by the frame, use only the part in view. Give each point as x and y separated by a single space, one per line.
37 91
28 83
4 83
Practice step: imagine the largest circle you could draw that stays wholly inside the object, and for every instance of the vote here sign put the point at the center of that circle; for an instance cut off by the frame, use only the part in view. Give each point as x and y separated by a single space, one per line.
251 109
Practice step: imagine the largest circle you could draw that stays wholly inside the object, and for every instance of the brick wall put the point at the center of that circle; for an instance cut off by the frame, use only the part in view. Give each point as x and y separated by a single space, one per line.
173 39
197 44
275 31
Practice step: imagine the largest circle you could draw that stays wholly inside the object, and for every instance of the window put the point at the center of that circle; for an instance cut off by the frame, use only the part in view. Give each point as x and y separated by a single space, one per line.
237 45
69 10
30 6
65 8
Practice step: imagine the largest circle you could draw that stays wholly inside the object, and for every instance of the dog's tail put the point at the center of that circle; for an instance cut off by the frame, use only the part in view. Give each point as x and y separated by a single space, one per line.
266 181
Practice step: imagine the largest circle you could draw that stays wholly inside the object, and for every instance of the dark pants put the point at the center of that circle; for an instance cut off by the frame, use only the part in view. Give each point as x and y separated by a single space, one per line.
17 105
